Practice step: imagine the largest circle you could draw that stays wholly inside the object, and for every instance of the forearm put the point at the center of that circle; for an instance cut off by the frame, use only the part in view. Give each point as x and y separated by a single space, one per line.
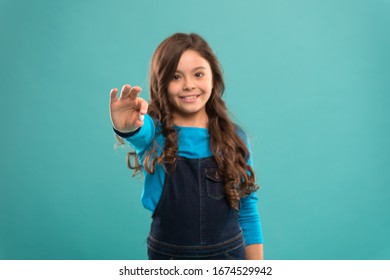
250 223
254 252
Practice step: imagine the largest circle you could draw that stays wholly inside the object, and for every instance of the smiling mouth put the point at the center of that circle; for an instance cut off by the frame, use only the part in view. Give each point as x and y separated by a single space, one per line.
189 97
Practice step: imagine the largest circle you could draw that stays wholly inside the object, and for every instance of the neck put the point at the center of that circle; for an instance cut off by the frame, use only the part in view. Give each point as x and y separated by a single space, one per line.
200 120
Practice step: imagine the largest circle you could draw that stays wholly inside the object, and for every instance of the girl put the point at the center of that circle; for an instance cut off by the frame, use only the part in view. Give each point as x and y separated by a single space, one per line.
199 182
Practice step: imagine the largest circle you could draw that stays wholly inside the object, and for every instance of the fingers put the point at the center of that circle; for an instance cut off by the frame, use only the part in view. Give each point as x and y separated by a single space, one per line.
125 91
113 95
131 92
134 92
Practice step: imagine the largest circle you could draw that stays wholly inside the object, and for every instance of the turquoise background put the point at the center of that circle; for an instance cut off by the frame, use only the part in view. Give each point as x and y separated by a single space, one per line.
308 80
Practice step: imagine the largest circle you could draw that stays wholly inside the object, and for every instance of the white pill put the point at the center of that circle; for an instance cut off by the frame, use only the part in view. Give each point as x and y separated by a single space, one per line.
141 118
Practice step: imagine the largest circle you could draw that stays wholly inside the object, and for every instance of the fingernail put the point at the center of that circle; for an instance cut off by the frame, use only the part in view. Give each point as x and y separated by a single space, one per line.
141 117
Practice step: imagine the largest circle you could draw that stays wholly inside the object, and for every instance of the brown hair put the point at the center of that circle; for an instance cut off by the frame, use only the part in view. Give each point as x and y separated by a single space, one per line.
229 150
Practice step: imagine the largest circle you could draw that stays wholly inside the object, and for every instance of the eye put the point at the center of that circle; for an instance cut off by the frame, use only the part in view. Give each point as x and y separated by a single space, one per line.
199 74
176 77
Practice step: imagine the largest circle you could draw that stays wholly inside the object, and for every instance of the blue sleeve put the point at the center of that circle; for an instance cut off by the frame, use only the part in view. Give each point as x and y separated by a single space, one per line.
249 217
249 220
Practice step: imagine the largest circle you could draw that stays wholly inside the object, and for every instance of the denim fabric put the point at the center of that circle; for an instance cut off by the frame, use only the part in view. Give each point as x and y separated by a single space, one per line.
193 219
236 254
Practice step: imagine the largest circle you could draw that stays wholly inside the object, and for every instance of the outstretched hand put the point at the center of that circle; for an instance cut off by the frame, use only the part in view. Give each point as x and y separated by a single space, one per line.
127 112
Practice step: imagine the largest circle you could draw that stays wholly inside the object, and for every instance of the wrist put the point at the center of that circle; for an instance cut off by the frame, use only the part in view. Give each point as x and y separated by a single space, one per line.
125 134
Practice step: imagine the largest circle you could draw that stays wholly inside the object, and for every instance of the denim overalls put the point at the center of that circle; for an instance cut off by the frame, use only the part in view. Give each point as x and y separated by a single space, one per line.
193 219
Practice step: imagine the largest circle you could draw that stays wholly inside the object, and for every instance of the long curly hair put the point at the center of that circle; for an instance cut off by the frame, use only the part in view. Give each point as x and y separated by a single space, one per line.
228 148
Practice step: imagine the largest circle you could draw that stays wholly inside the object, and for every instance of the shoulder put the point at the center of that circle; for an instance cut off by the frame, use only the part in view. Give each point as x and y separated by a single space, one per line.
241 133
157 124
244 137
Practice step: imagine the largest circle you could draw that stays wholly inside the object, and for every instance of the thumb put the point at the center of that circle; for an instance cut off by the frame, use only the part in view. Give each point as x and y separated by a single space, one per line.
143 106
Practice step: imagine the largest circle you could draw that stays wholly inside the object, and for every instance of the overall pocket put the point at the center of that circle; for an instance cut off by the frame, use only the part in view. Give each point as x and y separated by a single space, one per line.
214 184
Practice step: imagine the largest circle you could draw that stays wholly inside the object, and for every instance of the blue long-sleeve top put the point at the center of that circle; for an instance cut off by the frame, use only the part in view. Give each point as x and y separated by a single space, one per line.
193 142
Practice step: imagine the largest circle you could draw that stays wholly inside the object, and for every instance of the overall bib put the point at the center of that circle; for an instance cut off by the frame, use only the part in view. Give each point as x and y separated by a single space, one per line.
193 219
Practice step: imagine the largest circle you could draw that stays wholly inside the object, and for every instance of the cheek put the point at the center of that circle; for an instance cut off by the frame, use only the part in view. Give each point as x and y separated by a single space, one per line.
207 85
172 89
208 82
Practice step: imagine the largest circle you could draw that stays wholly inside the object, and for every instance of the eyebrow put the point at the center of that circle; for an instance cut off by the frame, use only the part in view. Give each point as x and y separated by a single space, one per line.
196 68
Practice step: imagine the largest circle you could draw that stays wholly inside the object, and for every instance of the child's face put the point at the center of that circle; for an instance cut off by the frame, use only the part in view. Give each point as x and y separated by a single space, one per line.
190 88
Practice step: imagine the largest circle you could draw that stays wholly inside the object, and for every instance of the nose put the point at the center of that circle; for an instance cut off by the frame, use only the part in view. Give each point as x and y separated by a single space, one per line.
188 84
